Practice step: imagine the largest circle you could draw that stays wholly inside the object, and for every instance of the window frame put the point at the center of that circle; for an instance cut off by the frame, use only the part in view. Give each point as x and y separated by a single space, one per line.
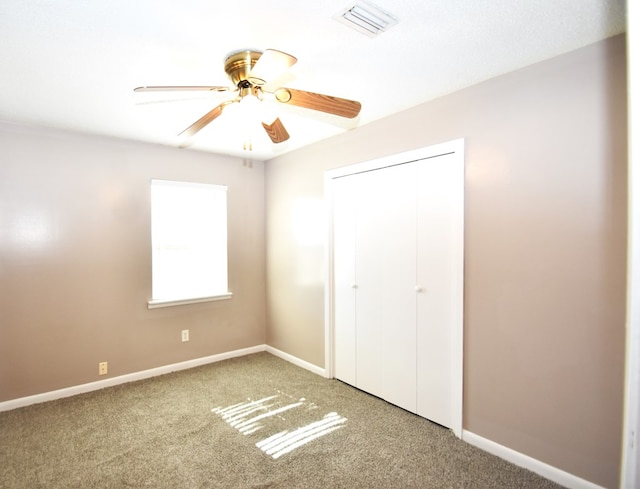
156 302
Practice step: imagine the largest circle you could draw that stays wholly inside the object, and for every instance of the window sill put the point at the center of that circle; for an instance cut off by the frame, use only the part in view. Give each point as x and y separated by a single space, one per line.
169 303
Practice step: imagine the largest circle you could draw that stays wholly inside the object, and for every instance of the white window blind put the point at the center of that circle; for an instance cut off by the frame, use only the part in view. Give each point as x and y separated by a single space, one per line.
189 242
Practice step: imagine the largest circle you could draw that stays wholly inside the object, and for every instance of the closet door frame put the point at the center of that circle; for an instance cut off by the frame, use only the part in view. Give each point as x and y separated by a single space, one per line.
455 147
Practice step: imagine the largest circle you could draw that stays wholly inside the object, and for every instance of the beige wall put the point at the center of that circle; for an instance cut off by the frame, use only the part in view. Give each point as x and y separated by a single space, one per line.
75 260
544 251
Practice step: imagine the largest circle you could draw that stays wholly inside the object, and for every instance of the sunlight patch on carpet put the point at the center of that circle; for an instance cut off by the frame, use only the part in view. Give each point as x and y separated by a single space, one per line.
293 422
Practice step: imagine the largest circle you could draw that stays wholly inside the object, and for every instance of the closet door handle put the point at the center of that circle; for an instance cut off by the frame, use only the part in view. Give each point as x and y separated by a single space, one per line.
419 289
354 286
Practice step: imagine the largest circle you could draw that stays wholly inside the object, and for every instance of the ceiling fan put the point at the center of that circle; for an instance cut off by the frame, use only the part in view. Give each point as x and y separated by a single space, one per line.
250 71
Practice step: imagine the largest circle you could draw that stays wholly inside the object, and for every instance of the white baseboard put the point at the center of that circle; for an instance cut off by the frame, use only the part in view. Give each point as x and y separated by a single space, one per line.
123 379
545 470
296 361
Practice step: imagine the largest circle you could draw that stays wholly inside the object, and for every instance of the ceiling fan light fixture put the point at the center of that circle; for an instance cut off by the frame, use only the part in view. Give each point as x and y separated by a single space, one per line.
366 18
248 70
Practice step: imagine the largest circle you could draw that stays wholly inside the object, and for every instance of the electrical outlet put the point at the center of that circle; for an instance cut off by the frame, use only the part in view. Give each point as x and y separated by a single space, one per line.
185 335
103 368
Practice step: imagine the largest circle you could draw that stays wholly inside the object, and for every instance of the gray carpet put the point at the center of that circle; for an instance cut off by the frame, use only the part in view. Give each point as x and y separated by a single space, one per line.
249 422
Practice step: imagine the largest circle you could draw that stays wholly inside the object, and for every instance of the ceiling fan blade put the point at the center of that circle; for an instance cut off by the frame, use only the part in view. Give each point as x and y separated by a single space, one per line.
276 131
318 101
206 119
271 64
180 88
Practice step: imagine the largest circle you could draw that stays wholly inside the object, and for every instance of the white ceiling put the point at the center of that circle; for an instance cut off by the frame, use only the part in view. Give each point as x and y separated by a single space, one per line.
73 64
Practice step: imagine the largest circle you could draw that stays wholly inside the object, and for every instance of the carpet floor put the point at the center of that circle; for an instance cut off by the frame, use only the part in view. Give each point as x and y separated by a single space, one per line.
248 422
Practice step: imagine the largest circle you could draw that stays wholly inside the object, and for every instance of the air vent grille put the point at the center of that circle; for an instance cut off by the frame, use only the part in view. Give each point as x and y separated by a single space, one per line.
366 18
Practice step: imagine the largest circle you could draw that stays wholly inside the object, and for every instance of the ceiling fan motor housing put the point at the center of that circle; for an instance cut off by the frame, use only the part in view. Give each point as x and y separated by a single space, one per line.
238 65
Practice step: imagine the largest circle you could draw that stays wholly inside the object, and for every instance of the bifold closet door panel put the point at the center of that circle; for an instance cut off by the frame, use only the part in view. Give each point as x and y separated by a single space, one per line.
385 264
398 283
344 278
440 221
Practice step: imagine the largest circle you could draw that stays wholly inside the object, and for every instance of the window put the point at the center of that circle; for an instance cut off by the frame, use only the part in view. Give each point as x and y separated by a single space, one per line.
189 242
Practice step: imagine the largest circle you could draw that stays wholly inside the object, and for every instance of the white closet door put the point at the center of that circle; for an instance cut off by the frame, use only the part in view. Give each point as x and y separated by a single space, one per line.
344 277
397 282
440 217
385 278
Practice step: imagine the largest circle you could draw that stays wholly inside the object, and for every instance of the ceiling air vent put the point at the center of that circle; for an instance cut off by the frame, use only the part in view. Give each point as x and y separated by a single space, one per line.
366 18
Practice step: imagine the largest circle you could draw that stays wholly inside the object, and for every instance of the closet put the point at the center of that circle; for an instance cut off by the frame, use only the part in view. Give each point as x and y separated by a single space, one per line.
397 232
